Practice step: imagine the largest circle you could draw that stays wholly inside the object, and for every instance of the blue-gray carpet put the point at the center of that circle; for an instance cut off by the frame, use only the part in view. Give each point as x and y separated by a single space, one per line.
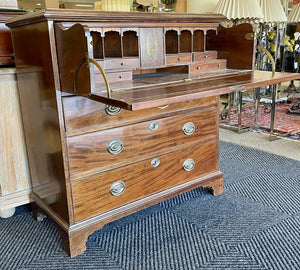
254 224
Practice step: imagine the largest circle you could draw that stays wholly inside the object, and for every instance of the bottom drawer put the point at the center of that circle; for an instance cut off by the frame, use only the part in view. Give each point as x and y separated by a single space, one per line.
108 190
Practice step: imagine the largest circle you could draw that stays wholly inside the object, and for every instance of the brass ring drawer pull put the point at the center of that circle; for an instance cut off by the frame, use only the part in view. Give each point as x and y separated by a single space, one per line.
115 146
189 165
155 162
117 188
163 107
188 128
153 126
112 110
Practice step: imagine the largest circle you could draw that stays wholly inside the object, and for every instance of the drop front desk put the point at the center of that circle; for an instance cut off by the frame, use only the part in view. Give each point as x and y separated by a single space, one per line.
120 110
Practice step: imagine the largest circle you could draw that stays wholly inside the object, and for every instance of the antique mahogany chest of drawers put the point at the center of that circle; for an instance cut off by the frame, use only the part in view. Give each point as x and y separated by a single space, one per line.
120 110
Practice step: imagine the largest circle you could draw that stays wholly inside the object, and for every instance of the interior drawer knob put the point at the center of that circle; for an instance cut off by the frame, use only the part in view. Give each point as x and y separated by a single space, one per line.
155 162
112 110
198 68
206 56
179 59
153 126
115 146
117 188
189 165
188 128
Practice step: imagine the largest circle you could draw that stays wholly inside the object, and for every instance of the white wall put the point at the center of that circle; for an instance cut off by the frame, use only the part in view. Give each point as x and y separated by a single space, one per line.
201 6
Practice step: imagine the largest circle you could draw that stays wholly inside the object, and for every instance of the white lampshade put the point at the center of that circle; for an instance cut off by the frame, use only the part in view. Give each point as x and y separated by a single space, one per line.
239 9
272 10
294 15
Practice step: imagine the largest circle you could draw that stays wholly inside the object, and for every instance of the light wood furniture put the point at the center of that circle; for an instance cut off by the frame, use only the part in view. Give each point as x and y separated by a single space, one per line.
15 185
121 109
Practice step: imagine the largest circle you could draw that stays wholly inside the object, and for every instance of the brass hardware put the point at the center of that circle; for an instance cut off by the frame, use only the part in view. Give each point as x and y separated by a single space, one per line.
269 56
117 188
163 107
90 60
112 110
155 162
188 128
188 165
153 126
115 146
250 36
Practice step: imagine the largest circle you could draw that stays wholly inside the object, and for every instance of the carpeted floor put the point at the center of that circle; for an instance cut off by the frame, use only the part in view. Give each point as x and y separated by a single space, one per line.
254 224
285 125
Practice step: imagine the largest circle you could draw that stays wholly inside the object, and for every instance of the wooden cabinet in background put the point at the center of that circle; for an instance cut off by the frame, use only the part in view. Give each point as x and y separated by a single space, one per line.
15 185
120 110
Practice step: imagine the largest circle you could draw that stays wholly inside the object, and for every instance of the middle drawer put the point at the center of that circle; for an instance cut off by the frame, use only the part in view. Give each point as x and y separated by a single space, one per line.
102 150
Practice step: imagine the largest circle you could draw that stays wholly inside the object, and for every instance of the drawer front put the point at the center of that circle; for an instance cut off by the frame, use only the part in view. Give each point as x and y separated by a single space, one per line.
90 153
207 66
113 77
94 195
200 56
82 114
121 63
178 58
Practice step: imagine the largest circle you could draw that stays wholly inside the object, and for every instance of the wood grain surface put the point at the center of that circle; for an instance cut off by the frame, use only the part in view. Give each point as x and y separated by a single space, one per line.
88 153
15 185
92 195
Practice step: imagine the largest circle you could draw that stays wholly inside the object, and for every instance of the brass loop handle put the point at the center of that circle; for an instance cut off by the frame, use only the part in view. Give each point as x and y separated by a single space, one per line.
91 60
269 56
86 61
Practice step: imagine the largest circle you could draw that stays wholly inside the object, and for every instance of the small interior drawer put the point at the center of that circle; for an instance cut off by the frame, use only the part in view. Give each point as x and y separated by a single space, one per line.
119 76
208 65
178 58
208 55
121 63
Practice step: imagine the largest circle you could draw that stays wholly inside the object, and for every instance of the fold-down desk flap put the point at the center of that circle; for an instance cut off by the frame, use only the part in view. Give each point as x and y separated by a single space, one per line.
154 95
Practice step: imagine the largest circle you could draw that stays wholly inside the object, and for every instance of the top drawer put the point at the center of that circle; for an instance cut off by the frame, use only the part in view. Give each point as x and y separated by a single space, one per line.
84 115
